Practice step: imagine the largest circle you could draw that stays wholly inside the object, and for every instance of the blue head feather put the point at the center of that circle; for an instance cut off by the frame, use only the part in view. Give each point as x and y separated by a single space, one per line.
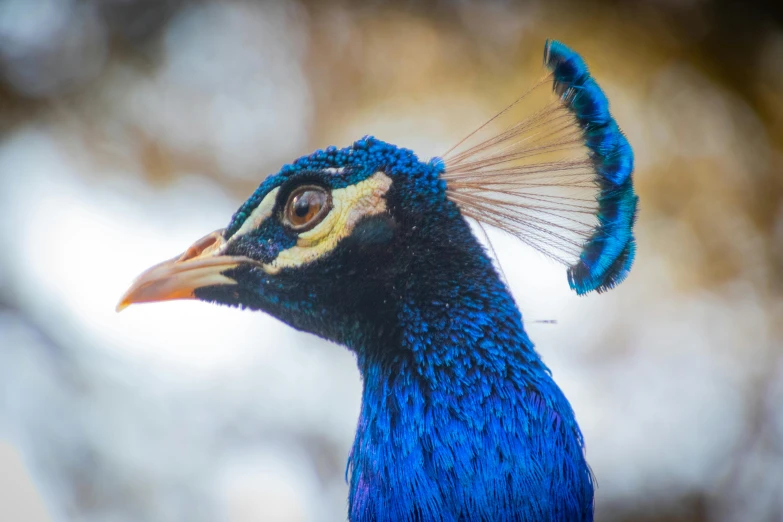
608 254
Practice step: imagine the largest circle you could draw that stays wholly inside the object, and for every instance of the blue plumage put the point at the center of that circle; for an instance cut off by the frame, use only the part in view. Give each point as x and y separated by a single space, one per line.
608 254
462 420
367 246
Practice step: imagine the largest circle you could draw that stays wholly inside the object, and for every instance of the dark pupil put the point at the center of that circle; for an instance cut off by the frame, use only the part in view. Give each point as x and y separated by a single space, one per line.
302 204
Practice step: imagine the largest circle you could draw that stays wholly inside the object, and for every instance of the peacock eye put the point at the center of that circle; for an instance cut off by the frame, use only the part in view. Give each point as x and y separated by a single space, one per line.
306 207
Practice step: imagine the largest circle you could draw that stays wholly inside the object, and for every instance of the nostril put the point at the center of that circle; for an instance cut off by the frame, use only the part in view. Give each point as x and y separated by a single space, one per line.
201 246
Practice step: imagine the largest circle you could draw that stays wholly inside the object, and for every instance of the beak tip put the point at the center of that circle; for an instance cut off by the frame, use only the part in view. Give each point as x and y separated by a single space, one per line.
201 265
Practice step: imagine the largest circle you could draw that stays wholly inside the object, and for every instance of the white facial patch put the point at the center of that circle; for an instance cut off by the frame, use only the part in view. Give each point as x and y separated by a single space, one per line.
349 205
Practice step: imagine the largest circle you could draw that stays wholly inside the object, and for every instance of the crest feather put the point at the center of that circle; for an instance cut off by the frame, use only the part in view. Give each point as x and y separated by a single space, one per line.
558 177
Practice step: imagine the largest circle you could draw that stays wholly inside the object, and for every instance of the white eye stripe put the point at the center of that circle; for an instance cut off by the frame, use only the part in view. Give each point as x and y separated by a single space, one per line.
349 206
260 214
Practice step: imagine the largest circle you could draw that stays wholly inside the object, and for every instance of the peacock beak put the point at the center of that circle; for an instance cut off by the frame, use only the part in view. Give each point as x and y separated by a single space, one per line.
200 265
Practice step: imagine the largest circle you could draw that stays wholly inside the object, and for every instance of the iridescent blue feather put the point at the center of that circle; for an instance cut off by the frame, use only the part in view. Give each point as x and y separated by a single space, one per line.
609 253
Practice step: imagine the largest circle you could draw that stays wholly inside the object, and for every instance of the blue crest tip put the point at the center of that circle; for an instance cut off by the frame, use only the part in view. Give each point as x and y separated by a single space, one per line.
569 67
608 253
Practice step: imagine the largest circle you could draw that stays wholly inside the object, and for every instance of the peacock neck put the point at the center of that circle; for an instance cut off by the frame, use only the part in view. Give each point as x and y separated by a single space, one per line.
460 418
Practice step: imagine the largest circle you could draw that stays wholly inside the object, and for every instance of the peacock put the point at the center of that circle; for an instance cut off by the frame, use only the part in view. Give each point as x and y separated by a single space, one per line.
372 248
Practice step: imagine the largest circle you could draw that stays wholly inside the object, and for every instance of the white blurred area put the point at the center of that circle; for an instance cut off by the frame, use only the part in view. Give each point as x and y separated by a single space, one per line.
180 411
188 411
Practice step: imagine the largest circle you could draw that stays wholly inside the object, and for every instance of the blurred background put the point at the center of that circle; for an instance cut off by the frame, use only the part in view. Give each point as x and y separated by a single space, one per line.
129 128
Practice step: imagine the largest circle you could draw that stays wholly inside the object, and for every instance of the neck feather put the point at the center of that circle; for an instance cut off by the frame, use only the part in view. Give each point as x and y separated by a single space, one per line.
460 418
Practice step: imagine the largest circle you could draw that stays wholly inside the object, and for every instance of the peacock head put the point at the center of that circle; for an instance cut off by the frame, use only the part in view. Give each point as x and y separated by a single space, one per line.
337 241
319 245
